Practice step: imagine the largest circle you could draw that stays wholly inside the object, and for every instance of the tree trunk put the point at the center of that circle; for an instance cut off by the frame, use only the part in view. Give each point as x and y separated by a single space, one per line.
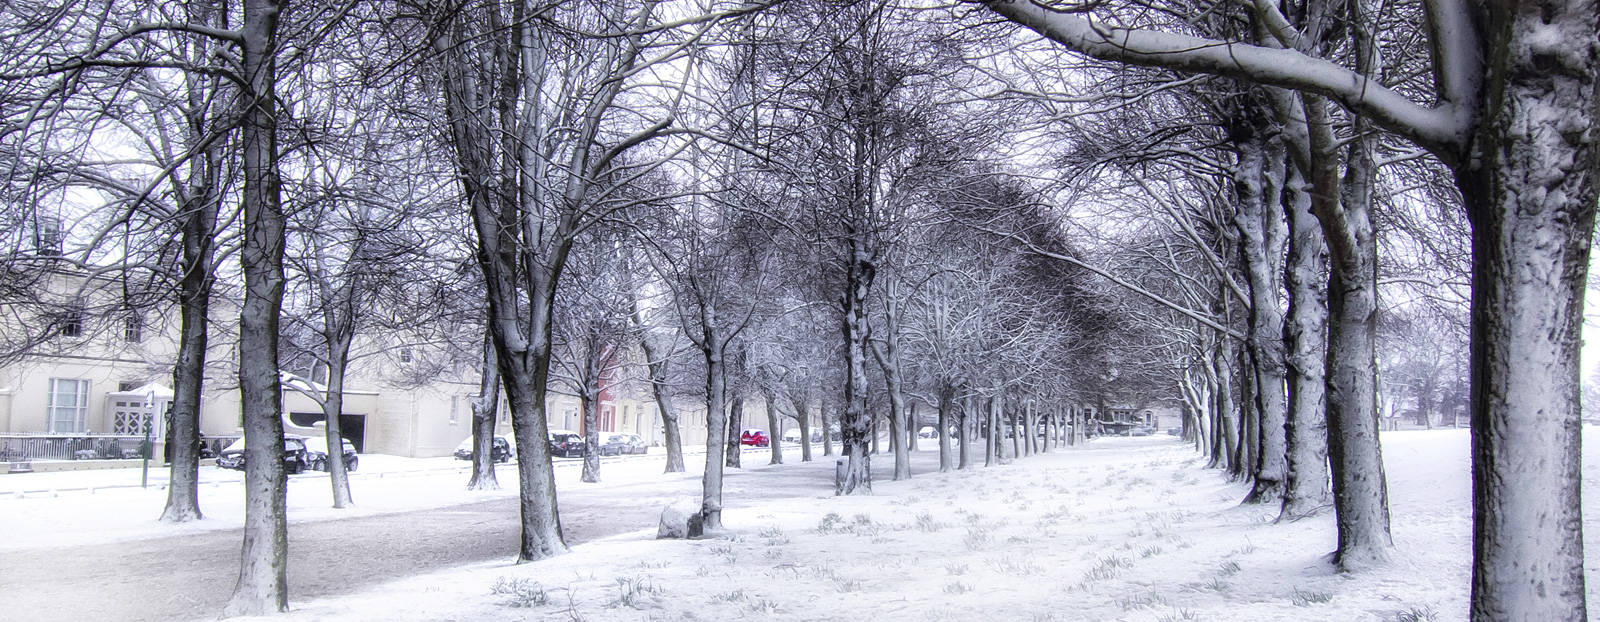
1014 426
911 427
1530 196
1306 487
946 399
332 406
1249 417
887 354
855 425
485 407
802 415
1226 413
716 424
188 375
1263 237
735 423
1360 493
964 433
657 366
588 402
774 425
263 585
827 432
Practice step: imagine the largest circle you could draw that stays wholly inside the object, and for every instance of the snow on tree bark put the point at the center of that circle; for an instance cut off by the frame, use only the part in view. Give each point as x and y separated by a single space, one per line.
855 424
485 407
263 585
716 422
1306 488
1531 196
1263 237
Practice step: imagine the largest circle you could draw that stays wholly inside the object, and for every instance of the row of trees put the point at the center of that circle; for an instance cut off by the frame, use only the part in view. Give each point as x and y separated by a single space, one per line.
855 209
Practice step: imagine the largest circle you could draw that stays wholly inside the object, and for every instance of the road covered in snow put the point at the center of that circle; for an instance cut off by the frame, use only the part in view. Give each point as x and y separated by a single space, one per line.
1121 529
86 546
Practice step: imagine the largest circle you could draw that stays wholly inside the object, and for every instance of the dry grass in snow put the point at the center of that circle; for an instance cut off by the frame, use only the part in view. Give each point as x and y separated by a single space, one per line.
1123 529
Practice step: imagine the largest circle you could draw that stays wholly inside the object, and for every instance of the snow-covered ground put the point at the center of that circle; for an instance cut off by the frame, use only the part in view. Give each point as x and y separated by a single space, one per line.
1122 529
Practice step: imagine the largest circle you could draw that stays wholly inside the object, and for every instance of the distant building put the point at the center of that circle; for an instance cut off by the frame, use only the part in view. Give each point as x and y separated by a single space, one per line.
95 364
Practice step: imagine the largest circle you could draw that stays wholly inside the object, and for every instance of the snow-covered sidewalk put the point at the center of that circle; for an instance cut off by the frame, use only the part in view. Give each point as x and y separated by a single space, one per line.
1123 529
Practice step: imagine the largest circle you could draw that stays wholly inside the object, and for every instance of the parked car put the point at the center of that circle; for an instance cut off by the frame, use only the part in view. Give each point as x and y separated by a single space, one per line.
1139 432
618 444
294 455
317 454
791 435
754 437
567 444
500 451
200 446
1174 431
928 431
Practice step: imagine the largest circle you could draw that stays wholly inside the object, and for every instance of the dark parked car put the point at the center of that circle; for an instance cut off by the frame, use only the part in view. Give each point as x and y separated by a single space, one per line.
618 444
200 446
754 437
567 444
500 451
317 454
294 455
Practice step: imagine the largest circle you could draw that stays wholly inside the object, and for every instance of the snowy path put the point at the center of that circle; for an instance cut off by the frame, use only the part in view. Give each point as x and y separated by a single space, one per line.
190 576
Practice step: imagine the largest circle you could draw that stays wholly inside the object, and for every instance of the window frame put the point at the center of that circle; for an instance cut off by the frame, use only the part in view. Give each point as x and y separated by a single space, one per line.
53 409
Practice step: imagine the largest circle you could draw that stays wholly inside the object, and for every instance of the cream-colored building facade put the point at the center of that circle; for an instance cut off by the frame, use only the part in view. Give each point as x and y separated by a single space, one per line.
101 370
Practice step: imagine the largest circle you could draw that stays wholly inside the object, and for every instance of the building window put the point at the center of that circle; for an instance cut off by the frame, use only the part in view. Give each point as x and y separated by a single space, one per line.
405 354
69 402
133 327
128 385
48 243
455 407
69 323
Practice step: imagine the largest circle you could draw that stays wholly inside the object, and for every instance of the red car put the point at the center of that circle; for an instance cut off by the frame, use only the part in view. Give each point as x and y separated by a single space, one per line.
754 437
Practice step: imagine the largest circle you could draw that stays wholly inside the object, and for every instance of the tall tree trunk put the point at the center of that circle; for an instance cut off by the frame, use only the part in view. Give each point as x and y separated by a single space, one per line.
827 432
1249 417
263 585
1530 196
774 426
1228 415
716 423
911 427
735 423
1360 493
964 432
588 402
540 535
1263 237
659 389
485 407
887 354
802 416
1306 488
991 432
520 275
855 425
946 401
197 223
332 406
188 375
